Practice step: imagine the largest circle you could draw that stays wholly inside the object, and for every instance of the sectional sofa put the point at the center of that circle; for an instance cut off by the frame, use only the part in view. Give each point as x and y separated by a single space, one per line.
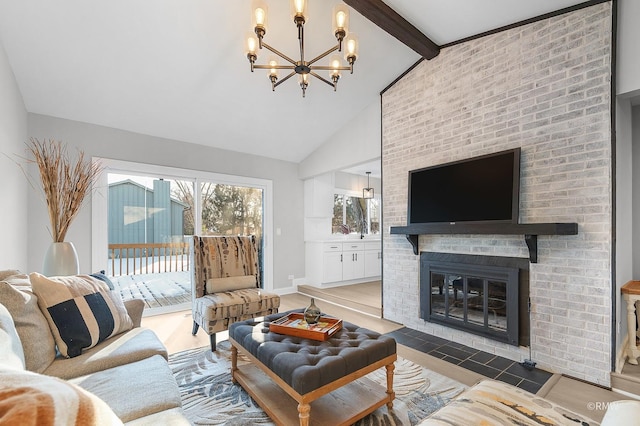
72 354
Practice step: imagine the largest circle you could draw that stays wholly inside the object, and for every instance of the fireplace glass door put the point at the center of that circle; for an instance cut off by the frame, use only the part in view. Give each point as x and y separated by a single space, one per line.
474 298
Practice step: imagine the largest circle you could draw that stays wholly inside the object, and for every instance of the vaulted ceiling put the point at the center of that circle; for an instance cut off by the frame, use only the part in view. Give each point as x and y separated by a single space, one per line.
177 69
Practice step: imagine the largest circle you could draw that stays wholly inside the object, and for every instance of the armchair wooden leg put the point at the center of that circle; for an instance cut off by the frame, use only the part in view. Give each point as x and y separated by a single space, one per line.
195 328
212 339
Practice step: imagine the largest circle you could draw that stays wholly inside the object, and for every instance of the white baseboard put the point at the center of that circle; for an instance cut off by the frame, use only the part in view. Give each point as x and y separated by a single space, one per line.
621 356
285 290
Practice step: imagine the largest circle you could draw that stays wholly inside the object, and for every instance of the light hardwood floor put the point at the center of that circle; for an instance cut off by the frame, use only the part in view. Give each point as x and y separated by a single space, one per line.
363 297
174 330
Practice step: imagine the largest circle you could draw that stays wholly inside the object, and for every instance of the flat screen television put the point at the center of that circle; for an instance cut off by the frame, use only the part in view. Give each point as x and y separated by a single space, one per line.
475 190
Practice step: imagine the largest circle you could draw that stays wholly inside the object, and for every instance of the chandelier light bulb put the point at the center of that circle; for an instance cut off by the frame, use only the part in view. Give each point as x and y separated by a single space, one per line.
273 64
303 80
340 17
335 65
352 46
351 53
340 23
252 44
260 16
299 10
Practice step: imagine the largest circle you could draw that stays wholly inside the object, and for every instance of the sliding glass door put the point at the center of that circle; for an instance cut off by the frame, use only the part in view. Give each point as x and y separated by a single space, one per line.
149 219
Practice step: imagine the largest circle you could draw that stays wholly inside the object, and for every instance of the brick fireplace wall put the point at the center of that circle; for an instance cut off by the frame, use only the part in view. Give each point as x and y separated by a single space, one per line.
544 87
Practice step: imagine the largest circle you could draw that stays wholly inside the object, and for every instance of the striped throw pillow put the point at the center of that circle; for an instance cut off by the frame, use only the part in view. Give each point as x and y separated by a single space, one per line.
81 311
28 398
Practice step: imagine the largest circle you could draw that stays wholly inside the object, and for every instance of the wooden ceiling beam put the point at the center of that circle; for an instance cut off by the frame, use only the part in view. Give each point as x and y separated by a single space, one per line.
389 20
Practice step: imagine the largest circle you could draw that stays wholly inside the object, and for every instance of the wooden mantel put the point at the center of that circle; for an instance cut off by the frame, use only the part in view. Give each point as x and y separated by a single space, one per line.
529 230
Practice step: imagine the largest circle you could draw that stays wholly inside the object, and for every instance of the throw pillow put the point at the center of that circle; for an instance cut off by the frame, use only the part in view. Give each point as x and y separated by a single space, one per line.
11 353
7 273
32 327
103 277
216 285
81 311
32 399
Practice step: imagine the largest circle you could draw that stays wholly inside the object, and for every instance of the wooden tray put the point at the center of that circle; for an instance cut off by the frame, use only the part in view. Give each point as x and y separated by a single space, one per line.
293 324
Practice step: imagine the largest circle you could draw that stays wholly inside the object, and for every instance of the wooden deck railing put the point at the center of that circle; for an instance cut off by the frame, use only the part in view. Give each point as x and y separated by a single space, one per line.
132 259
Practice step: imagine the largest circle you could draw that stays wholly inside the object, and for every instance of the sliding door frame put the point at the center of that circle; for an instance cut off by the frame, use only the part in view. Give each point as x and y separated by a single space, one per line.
99 205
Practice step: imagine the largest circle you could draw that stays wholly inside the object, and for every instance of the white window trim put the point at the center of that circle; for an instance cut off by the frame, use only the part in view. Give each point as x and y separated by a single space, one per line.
356 194
99 205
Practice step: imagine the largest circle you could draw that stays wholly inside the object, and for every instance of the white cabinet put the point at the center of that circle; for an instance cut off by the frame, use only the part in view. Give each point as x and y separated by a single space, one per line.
352 261
332 263
372 259
335 262
318 197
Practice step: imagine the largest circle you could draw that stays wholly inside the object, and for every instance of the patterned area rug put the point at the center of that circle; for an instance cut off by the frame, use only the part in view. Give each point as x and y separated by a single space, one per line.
209 397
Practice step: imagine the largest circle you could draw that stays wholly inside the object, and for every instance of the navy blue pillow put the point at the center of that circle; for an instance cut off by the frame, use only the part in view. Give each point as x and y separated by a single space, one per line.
102 277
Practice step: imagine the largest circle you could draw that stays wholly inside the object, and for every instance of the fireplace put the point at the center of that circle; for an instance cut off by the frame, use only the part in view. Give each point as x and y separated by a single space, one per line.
484 295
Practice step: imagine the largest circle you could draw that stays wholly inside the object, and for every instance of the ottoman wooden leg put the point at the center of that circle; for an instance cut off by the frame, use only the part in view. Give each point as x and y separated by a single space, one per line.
390 392
234 363
303 414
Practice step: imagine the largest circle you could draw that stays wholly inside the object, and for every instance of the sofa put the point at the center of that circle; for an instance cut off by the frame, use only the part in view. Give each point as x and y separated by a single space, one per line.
71 352
491 402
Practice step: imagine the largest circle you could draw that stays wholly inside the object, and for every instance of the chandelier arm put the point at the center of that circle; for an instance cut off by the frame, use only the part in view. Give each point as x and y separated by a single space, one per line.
328 68
277 67
322 55
321 78
282 55
284 79
301 41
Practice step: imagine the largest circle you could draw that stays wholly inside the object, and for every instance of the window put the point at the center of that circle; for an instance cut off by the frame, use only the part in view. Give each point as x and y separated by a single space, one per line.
162 204
355 215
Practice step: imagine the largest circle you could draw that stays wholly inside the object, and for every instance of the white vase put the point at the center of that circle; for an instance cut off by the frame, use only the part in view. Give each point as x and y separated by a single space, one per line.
61 259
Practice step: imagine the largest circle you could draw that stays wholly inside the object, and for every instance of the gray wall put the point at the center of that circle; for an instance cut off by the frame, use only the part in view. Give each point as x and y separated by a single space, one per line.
627 155
628 64
356 143
625 231
635 186
98 141
14 187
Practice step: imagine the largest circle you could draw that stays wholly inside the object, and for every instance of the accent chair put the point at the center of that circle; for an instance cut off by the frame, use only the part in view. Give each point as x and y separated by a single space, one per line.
226 284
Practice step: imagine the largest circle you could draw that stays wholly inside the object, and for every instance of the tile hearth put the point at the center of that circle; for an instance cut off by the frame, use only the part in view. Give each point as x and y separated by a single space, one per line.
489 365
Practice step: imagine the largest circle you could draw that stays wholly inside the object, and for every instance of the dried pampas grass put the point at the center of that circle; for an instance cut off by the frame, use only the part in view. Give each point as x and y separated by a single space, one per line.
65 184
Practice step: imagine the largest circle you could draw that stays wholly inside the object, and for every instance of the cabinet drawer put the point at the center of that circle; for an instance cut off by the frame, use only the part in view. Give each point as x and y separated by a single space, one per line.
332 247
352 246
373 245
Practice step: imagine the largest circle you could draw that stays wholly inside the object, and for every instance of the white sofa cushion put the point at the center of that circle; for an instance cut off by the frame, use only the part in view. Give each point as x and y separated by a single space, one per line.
131 346
81 311
150 388
37 341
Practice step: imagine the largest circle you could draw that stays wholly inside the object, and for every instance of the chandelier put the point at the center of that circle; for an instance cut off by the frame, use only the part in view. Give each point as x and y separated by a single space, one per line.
302 67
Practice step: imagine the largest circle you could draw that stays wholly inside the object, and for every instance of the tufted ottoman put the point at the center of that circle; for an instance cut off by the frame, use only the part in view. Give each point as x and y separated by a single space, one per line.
329 374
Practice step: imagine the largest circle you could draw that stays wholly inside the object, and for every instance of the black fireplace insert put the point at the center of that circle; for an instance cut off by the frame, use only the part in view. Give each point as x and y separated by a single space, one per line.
478 294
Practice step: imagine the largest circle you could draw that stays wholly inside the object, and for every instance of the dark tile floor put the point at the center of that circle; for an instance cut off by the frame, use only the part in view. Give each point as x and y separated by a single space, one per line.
489 365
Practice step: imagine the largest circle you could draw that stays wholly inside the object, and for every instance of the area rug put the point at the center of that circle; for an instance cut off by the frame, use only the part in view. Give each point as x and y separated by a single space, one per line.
210 398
